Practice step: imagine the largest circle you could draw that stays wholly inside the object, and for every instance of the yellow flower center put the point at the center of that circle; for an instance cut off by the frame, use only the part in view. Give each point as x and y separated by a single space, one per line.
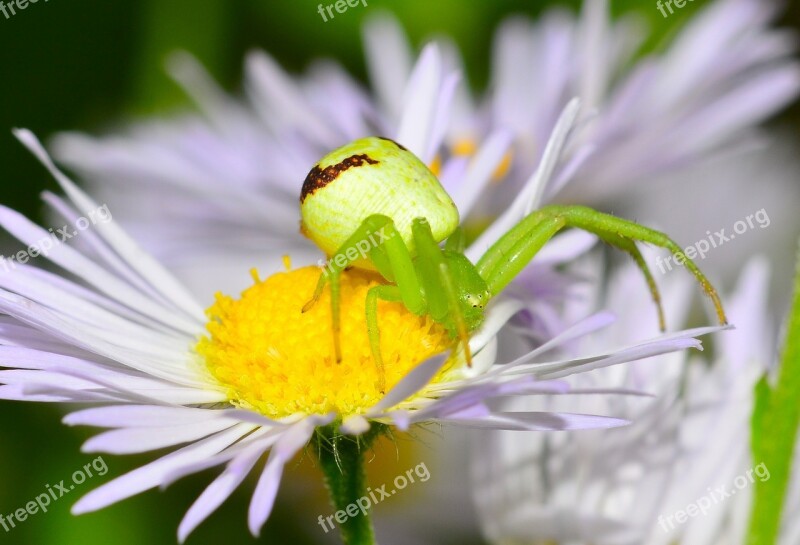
277 360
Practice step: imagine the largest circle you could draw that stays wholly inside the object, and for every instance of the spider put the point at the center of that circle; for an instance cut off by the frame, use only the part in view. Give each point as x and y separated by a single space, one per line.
374 205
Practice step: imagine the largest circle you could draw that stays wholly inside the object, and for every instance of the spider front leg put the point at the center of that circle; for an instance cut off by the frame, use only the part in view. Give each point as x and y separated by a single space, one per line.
430 277
629 246
392 259
438 282
387 293
513 251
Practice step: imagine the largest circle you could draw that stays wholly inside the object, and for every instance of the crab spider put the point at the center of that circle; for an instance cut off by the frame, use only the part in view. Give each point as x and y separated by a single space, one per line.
374 186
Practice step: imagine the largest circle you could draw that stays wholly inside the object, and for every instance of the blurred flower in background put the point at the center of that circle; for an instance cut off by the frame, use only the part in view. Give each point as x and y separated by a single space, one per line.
688 445
720 76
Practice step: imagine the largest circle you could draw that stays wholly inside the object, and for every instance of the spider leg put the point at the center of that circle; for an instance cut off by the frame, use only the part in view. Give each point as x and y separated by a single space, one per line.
393 260
387 293
499 251
508 256
390 256
437 281
512 252
457 241
333 269
629 246
599 223
458 317
323 279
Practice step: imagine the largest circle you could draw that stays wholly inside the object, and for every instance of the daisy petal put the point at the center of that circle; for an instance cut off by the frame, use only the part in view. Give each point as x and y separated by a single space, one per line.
413 382
140 261
219 490
290 442
540 421
151 475
137 440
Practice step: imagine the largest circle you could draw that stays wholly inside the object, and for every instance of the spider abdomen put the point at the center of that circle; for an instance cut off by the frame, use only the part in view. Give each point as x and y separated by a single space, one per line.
367 177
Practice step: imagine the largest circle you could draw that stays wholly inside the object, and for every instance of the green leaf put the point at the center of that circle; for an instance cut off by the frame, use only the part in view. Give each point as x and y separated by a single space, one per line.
775 423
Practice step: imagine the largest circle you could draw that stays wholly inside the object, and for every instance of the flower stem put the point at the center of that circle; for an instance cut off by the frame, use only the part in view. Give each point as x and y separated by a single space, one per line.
775 423
342 462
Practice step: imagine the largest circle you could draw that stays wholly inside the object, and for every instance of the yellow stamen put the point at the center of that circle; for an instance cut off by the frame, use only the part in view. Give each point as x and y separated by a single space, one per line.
503 168
464 146
468 147
436 165
277 360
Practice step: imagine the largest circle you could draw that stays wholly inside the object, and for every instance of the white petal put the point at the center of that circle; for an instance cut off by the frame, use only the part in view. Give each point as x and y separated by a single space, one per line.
72 261
410 384
277 95
137 440
533 421
388 61
287 446
138 260
529 197
136 416
355 425
151 475
481 168
419 105
219 490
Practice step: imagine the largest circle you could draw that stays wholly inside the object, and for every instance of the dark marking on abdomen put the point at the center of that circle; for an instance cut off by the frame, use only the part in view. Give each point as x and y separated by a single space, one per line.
320 177
393 142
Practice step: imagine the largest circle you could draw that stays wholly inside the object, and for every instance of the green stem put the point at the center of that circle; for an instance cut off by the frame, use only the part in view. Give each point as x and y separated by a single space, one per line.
775 423
342 462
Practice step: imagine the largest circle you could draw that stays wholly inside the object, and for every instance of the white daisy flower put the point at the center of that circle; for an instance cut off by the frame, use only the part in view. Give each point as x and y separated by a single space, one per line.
230 175
688 446
252 375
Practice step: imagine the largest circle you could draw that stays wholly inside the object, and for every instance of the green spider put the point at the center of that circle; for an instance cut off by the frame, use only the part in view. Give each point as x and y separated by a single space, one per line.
373 204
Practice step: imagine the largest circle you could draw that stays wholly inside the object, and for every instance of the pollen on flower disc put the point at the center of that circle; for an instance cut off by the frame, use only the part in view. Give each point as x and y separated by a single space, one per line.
275 359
